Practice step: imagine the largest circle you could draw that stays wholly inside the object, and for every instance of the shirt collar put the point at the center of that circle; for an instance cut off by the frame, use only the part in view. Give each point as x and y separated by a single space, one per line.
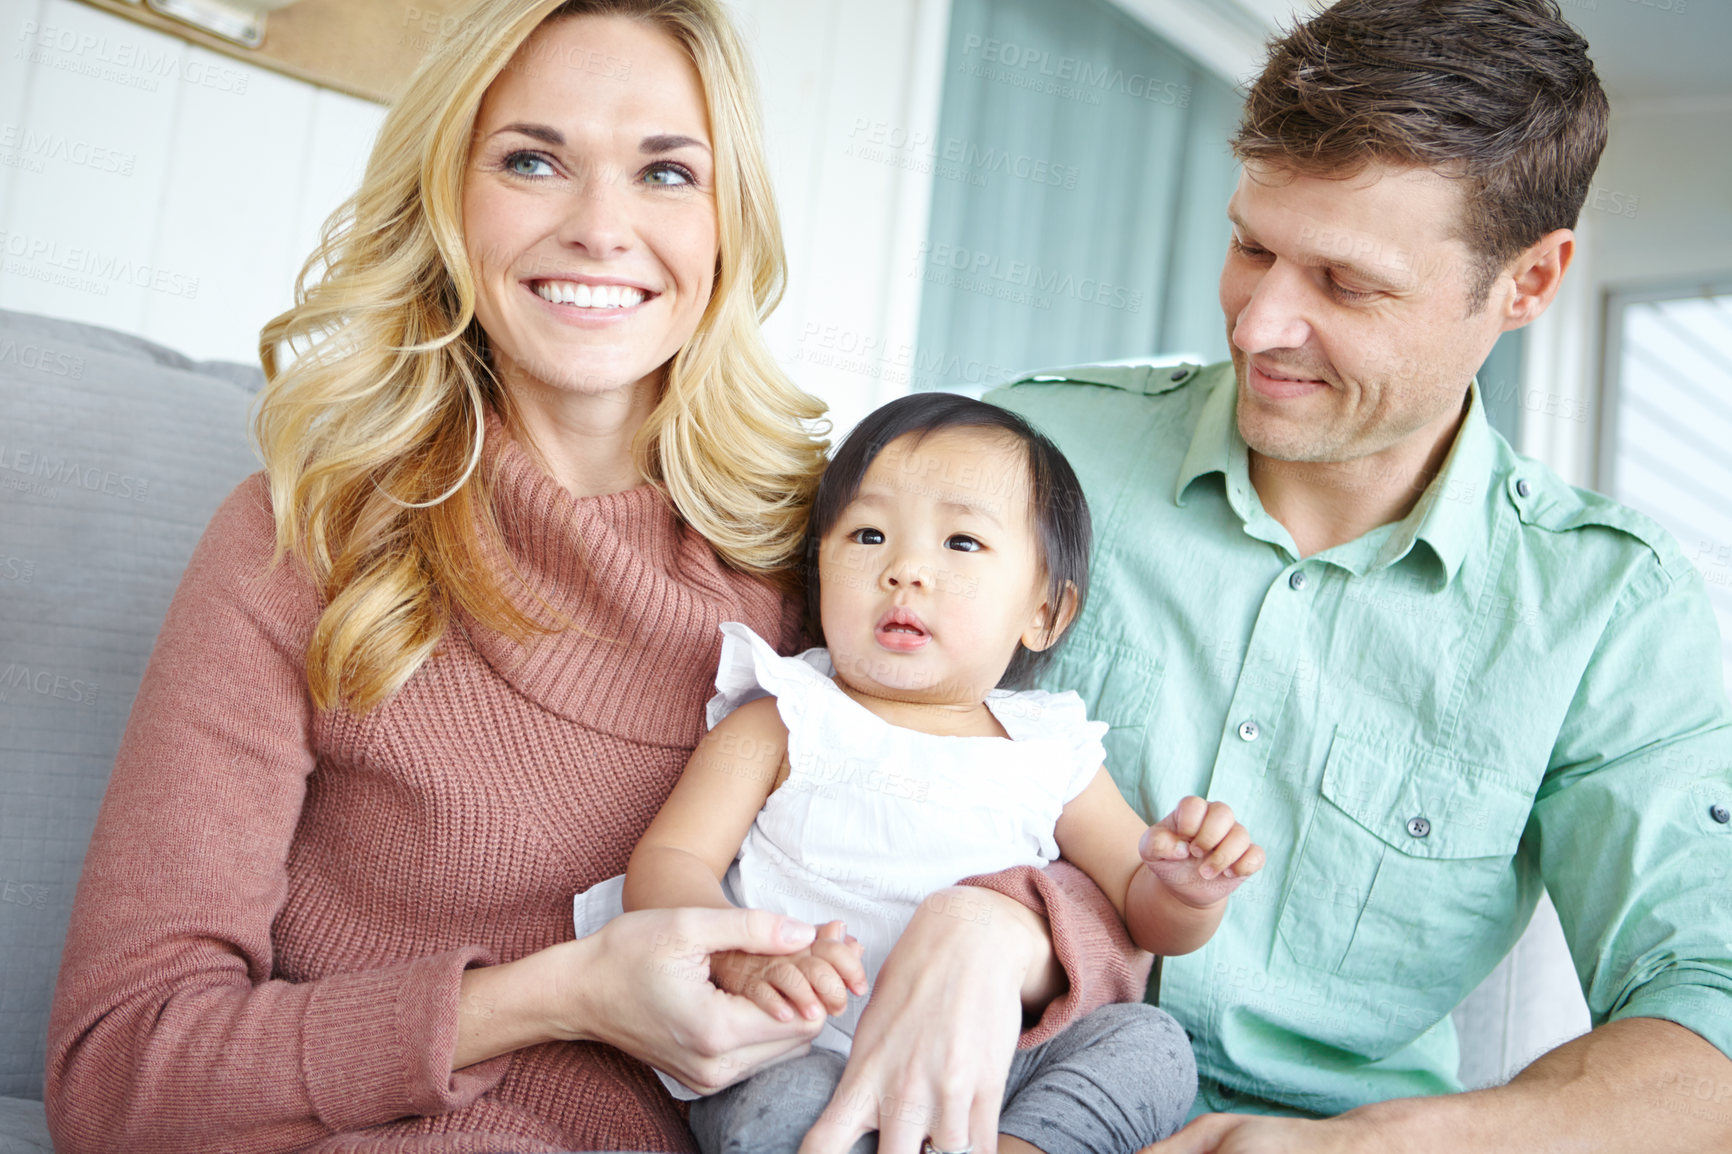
1448 517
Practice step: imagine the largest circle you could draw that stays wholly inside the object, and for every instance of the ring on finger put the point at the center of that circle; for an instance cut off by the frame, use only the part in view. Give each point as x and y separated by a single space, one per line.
928 1148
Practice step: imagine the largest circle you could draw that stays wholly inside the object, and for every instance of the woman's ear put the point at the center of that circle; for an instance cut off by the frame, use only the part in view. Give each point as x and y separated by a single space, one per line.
1047 627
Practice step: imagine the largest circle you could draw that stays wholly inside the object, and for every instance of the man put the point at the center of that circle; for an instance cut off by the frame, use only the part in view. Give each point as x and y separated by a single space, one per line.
1428 676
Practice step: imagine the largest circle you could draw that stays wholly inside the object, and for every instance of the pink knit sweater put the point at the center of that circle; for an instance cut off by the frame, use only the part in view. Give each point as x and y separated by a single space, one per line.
279 902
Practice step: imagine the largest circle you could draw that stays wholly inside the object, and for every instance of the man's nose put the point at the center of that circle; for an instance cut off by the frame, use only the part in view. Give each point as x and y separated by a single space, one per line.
1277 315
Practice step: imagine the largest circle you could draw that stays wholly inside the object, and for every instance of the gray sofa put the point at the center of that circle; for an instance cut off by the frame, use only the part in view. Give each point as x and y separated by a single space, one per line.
114 452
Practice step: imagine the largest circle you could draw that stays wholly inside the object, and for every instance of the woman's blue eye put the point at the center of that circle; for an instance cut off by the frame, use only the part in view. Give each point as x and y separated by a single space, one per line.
669 173
867 536
527 164
962 543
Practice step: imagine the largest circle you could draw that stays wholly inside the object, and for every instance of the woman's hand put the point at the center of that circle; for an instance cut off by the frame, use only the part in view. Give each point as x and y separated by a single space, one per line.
933 1047
641 983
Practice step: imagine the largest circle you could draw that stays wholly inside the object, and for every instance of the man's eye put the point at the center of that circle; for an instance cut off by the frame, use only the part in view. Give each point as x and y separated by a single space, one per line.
866 536
1246 249
962 543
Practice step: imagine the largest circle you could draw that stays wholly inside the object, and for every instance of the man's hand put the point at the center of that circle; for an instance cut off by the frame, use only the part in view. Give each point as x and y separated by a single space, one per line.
811 983
1256 1134
1200 852
1613 1090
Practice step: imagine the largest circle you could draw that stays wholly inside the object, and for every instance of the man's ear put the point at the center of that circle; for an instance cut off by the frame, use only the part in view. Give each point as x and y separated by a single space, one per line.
1538 273
1047 627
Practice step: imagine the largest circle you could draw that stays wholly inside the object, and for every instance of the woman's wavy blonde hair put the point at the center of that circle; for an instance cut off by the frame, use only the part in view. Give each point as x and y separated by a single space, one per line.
370 433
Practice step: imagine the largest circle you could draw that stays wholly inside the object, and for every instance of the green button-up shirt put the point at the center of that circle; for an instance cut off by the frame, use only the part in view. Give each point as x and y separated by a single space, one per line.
1516 686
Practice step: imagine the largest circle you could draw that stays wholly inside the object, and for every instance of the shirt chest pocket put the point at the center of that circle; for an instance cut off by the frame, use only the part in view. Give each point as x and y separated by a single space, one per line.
1407 873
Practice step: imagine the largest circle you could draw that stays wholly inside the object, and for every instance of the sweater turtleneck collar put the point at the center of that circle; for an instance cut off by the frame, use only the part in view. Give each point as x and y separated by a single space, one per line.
644 595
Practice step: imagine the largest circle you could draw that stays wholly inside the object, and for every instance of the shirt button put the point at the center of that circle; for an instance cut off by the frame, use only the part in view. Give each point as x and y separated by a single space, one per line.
1298 581
1523 488
1180 374
1720 813
1248 730
1418 826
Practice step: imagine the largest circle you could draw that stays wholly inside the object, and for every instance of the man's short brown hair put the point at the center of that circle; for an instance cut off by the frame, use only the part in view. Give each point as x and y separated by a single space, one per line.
1497 93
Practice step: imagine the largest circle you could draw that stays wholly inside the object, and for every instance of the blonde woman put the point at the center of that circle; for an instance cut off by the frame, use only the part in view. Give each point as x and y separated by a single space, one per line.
435 669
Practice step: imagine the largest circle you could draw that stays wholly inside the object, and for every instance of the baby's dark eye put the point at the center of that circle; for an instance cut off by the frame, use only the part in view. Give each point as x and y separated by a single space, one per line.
867 536
962 543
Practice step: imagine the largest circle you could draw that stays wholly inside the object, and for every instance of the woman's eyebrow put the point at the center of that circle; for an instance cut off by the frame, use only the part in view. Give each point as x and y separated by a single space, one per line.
670 142
540 132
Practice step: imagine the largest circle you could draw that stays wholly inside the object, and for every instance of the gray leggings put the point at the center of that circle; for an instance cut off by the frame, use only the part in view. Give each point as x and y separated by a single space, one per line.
1117 1080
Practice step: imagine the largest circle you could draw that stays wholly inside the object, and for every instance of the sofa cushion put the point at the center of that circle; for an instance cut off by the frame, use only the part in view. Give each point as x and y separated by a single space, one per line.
114 452
23 1127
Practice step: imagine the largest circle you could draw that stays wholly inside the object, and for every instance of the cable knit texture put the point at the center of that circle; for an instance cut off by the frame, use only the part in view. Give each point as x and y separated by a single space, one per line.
278 903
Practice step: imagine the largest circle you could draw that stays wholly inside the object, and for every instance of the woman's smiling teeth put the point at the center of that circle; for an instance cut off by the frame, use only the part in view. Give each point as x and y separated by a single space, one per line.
585 296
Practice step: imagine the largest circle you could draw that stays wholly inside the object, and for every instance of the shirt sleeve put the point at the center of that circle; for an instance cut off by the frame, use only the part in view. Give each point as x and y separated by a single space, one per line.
1089 939
1629 844
168 1030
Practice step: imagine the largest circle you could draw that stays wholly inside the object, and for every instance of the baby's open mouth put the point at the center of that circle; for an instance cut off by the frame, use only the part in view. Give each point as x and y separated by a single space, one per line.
901 629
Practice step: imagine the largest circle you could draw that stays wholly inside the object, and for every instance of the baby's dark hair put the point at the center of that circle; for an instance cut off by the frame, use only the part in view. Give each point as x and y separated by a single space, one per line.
1062 530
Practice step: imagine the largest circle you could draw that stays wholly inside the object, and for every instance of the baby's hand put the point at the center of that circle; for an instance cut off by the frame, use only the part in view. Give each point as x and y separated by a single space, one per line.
1199 852
815 981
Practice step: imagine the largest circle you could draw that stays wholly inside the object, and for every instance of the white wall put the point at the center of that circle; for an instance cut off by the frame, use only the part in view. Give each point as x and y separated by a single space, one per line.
157 188
1660 209
838 75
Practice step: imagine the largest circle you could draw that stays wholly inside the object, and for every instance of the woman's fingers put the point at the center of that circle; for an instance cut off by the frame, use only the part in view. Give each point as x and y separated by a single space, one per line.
708 1075
952 1120
852 1112
983 1122
751 931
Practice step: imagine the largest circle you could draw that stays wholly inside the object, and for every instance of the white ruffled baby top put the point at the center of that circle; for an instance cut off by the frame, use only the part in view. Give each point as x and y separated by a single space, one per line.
874 817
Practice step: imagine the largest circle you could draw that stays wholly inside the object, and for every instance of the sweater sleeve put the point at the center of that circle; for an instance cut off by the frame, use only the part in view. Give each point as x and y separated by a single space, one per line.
1089 939
168 1030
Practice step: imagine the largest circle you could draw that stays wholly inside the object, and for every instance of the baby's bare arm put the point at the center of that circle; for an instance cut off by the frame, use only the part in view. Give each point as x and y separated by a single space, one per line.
683 856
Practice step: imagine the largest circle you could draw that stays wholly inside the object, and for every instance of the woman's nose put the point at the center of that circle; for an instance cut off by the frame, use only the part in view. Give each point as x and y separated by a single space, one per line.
598 217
